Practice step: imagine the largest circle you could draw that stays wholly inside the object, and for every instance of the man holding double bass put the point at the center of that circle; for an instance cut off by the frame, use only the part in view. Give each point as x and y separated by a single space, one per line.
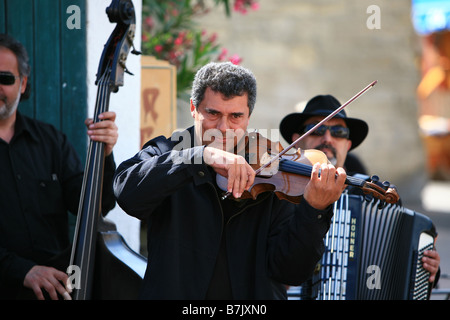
41 178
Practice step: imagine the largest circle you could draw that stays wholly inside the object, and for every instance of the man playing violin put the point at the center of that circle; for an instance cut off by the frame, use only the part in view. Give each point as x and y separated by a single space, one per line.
336 137
200 245
41 178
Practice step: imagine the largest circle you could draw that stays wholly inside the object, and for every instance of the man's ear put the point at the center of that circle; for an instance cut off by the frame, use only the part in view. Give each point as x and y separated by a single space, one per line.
192 108
294 137
349 145
24 84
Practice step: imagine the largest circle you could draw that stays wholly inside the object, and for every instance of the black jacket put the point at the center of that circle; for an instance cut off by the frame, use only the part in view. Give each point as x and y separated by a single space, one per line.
40 182
270 242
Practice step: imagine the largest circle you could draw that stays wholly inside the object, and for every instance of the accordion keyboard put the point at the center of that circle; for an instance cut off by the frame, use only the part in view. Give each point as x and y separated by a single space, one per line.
426 242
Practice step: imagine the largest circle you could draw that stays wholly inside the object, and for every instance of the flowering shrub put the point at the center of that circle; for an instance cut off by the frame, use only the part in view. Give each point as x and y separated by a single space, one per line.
168 33
242 5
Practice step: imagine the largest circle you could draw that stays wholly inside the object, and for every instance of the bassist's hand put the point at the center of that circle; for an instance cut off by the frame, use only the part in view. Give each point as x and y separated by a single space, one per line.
105 131
49 279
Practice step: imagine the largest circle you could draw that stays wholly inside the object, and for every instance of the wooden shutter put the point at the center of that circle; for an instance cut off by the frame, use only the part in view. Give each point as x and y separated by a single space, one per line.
58 62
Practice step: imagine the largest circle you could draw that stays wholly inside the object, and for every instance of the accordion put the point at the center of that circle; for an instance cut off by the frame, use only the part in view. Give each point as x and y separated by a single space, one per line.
372 253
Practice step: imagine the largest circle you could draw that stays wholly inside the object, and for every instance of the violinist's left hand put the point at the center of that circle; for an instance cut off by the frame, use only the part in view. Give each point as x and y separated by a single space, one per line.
104 131
325 188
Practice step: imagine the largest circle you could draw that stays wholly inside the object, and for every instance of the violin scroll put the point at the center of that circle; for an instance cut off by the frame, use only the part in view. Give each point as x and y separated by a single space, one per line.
383 191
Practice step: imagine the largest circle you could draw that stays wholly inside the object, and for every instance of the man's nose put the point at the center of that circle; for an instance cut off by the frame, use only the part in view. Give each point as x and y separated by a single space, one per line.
222 124
327 135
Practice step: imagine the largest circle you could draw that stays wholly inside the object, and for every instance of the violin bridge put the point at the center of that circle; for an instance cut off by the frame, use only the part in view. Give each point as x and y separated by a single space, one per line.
271 169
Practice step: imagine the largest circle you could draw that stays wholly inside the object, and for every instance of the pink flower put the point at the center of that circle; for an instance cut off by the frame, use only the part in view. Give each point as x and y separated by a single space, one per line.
235 59
242 5
223 54
178 41
149 22
255 6
158 48
239 6
213 37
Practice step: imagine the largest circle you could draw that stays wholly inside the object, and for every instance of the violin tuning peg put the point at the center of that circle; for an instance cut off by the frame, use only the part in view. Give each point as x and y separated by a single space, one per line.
368 197
386 184
376 180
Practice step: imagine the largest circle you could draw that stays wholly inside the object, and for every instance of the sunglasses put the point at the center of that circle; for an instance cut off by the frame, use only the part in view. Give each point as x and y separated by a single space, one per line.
336 131
7 78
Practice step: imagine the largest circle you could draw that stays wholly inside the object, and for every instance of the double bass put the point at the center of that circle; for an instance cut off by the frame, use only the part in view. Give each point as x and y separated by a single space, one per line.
103 266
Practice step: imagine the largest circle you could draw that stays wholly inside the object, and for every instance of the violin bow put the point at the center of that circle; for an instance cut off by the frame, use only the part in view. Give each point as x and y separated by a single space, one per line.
331 115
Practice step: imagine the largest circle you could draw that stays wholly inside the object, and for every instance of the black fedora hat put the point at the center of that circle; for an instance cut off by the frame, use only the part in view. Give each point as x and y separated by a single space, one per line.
323 105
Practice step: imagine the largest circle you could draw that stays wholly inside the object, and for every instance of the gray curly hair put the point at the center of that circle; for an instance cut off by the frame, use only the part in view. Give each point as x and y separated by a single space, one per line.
228 79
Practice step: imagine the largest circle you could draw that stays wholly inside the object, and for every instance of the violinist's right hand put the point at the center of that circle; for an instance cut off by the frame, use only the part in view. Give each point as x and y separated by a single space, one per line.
239 173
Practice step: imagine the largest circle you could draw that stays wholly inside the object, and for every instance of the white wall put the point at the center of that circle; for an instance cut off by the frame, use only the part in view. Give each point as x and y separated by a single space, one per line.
126 103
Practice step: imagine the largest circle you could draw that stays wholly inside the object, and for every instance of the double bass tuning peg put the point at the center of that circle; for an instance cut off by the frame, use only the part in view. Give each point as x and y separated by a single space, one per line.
134 51
128 72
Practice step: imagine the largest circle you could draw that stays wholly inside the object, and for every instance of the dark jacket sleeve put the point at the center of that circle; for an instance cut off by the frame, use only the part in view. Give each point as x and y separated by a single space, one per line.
13 269
108 198
295 244
157 171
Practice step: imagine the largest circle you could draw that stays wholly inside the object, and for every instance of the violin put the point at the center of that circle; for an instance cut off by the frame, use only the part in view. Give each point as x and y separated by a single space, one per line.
289 175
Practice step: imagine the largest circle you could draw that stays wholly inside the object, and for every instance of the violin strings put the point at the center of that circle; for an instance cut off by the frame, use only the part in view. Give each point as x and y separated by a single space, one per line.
295 167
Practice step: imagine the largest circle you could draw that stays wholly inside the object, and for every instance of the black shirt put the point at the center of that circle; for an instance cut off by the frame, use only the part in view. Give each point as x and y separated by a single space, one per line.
220 285
40 181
